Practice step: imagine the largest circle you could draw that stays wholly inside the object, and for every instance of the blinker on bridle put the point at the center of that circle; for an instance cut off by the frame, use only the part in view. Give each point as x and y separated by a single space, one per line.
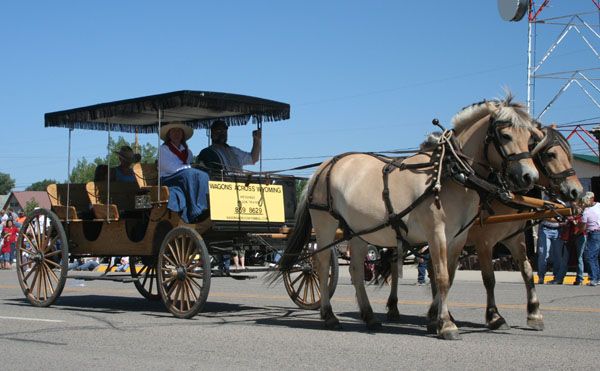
493 136
551 139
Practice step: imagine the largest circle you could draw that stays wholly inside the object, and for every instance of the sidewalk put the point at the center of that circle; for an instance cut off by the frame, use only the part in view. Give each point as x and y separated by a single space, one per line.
410 273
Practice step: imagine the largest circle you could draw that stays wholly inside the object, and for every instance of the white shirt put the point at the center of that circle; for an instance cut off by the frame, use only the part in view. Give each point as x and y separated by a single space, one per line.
591 218
170 163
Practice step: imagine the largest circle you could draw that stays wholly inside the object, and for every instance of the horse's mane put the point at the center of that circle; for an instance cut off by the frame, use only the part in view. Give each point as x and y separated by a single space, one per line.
501 109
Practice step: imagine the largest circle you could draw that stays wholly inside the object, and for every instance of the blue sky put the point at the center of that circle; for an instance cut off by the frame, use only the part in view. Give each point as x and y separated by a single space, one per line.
359 75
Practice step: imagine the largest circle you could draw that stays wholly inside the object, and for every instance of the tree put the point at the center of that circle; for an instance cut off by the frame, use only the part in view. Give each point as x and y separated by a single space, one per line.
41 185
30 206
6 184
83 171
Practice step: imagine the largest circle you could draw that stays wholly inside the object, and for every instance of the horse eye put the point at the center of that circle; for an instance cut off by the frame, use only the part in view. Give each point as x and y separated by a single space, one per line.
549 155
506 137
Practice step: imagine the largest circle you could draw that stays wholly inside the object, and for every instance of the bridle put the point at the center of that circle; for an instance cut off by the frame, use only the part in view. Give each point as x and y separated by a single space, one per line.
493 137
551 139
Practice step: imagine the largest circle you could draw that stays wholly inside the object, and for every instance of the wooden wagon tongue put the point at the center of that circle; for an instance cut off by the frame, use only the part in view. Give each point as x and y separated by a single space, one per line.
554 210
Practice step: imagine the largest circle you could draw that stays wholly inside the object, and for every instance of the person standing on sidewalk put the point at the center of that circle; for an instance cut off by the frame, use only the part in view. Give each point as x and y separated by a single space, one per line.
547 244
591 222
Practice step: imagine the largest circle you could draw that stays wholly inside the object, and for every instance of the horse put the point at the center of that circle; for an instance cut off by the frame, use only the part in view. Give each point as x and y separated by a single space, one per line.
430 189
553 159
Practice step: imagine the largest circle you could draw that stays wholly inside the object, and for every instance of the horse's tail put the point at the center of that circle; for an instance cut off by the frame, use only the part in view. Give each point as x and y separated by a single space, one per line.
297 240
383 268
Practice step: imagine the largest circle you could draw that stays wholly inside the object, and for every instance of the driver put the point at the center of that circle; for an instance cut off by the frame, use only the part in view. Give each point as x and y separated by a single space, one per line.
222 156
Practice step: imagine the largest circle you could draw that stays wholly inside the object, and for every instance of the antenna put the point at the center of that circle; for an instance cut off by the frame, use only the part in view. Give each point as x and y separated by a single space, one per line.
512 10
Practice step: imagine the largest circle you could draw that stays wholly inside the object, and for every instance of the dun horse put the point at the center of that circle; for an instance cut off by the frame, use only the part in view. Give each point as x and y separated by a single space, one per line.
431 201
554 161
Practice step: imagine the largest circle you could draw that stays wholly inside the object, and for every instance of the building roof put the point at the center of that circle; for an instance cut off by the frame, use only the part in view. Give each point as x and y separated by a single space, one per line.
41 197
586 158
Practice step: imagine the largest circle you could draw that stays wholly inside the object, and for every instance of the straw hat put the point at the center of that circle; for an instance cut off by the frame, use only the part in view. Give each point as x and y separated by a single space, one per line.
126 153
187 131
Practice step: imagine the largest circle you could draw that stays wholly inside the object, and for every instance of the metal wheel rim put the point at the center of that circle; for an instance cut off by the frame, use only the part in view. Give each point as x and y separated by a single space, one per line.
302 283
182 263
147 283
42 258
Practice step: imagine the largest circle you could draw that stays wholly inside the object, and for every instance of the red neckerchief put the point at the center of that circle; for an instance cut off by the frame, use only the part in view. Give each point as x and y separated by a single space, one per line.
183 155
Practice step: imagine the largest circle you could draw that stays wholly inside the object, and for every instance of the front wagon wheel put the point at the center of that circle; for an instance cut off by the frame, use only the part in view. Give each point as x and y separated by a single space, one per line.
42 257
183 272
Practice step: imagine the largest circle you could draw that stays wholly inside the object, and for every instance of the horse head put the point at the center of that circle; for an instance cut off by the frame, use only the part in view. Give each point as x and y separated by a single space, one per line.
553 158
501 132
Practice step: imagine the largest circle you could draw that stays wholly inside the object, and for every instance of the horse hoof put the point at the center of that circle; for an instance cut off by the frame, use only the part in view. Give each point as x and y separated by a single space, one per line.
536 324
432 327
498 324
393 316
373 325
332 324
450 335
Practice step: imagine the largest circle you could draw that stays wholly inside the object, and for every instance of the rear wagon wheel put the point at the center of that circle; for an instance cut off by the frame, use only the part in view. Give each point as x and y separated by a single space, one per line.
42 257
302 282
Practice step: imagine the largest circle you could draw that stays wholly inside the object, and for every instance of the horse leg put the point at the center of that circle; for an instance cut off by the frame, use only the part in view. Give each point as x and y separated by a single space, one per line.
518 249
359 248
493 319
432 312
325 226
393 314
446 328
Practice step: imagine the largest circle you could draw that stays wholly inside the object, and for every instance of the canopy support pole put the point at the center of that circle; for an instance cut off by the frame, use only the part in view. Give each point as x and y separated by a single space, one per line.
108 175
158 155
69 174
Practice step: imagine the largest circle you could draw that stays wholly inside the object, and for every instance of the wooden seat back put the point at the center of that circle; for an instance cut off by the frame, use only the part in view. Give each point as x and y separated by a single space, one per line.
111 206
145 174
79 203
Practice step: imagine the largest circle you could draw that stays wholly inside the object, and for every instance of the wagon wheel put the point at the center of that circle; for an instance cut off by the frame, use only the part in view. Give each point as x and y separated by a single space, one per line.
144 269
42 257
302 282
183 272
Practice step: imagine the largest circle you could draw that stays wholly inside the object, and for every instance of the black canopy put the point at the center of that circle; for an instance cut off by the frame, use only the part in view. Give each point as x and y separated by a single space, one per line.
196 108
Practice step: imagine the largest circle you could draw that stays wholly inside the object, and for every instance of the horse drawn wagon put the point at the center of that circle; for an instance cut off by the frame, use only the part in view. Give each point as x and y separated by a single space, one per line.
169 258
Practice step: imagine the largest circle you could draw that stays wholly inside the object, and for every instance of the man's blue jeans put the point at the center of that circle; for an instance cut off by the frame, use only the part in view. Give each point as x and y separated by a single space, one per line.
592 250
580 244
547 241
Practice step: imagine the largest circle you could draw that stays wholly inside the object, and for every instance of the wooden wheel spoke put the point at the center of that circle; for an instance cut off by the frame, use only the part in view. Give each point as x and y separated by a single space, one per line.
34 246
300 286
191 289
56 252
33 269
152 279
177 241
48 261
195 275
312 289
53 242
306 283
173 254
198 285
169 260
50 271
172 287
297 278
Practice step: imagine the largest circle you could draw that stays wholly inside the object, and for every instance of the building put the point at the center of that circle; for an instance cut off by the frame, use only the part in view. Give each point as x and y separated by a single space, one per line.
587 167
18 200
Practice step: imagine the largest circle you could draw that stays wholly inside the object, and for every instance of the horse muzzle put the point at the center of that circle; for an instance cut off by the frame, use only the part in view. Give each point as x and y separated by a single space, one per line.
521 178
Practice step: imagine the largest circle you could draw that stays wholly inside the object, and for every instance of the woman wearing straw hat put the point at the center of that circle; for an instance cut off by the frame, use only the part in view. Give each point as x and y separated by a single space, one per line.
188 187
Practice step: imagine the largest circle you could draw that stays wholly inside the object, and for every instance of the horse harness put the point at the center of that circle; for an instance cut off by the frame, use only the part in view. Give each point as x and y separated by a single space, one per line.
446 161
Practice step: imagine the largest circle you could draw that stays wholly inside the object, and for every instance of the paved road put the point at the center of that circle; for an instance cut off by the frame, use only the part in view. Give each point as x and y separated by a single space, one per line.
247 325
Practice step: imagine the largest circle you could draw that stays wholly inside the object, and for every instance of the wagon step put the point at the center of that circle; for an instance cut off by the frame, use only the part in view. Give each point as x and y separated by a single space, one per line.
112 277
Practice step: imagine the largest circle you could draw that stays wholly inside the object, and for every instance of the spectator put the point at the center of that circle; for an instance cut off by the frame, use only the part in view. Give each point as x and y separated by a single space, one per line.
8 246
590 221
548 240
576 235
422 261
21 218
123 266
239 259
